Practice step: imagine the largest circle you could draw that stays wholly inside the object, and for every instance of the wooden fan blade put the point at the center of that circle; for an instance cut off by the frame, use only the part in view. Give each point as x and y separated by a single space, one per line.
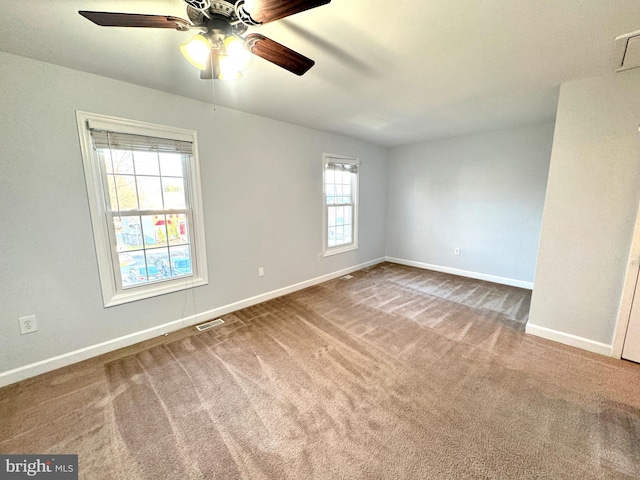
265 11
279 54
110 19
213 60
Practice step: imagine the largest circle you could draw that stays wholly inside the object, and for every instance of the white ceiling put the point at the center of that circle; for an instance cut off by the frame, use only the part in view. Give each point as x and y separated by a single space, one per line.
390 72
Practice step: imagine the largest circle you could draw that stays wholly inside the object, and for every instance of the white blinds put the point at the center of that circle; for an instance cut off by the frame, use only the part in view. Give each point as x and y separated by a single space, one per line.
127 141
342 167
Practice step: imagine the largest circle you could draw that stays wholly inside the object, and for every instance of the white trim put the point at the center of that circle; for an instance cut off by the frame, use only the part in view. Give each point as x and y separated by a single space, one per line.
106 256
339 249
626 300
463 273
569 339
49 364
106 122
153 290
355 228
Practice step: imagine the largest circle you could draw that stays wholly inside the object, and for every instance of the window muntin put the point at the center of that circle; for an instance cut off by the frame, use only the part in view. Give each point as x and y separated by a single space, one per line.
340 181
144 197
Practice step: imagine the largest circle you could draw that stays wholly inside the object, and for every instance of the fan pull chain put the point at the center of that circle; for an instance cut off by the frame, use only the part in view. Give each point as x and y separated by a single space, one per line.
213 87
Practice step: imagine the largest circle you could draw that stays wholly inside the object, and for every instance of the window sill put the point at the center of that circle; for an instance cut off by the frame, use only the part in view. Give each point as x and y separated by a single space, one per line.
154 290
341 249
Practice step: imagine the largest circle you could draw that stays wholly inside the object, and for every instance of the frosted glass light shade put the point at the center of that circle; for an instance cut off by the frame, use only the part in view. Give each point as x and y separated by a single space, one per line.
237 51
197 51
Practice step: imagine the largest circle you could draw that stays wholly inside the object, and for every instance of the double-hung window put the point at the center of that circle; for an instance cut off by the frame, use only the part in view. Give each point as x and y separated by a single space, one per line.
146 209
340 219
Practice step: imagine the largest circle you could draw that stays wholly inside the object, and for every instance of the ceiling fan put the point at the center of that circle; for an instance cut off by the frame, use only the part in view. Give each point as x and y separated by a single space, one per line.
220 50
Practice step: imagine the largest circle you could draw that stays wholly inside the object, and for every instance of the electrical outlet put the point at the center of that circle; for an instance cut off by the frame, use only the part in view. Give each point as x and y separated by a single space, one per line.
319 257
28 324
261 271
456 251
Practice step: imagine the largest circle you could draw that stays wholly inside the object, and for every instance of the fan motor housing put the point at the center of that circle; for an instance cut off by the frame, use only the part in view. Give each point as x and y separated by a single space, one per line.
219 18
198 4
217 29
224 8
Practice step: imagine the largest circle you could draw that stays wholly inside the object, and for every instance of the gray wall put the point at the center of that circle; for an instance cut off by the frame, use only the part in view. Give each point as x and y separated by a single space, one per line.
482 193
262 202
590 207
262 199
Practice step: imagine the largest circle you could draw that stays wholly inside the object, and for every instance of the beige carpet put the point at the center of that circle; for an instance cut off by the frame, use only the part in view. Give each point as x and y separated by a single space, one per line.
395 373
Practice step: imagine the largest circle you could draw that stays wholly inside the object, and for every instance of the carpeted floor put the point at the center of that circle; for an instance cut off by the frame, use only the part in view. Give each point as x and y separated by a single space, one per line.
397 373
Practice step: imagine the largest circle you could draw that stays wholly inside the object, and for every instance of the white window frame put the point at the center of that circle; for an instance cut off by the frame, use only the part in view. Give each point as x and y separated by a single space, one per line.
113 292
326 249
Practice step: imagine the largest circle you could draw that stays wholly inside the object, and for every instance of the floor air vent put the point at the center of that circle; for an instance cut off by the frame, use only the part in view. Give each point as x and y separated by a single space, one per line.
346 277
211 324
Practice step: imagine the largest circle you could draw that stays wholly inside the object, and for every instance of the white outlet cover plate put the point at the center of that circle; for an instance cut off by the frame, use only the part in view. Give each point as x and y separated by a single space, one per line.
28 324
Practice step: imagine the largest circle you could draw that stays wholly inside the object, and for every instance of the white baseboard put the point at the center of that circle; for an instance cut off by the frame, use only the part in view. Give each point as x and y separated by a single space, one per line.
463 273
569 339
53 363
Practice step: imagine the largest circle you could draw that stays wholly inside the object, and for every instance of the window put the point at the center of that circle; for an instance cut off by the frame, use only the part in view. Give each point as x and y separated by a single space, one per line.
340 179
144 196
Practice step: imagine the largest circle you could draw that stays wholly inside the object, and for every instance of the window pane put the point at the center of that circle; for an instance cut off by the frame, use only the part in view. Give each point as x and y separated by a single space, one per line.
129 261
149 193
329 192
146 163
113 198
122 192
117 161
154 230
348 211
180 261
347 234
329 176
159 258
331 236
143 274
177 229
347 226
171 165
173 192
104 157
331 216
128 233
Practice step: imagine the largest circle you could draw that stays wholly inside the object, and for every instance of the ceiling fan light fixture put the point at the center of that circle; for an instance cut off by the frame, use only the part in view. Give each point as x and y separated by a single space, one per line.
197 50
222 24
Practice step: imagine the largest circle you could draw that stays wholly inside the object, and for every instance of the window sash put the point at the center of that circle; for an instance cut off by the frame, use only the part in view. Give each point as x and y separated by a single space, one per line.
340 227
115 253
110 215
186 175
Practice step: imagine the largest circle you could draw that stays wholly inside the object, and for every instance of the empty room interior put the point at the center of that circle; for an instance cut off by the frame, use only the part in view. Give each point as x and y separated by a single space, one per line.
319 239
